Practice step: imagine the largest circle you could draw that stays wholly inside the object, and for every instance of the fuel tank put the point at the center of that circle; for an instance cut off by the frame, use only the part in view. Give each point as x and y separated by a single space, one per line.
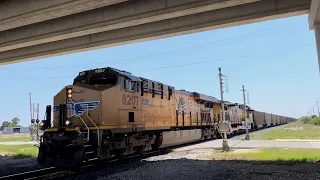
173 138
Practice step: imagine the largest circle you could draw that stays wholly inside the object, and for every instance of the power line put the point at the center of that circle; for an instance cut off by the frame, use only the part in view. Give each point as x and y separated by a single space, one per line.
195 63
187 50
223 59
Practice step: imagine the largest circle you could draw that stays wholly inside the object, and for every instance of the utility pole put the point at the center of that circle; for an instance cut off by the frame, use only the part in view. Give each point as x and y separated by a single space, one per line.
31 118
247 137
37 121
318 108
313 110
225 146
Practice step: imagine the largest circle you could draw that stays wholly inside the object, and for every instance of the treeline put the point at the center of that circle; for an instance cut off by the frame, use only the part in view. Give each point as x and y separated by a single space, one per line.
315 120
13 123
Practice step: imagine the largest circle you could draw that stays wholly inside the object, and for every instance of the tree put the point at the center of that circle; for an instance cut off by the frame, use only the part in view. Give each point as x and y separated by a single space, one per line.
315 120
15 122
305 119
313 116
6 124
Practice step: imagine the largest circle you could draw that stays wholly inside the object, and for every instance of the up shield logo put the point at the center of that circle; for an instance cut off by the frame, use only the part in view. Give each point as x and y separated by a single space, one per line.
78 108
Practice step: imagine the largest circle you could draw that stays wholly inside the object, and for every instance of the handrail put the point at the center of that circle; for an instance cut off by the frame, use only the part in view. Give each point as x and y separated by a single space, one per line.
98 130
86 127
83 123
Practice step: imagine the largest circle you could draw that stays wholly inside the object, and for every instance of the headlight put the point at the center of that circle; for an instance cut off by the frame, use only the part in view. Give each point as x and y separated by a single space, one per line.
68 122
42 123
69 93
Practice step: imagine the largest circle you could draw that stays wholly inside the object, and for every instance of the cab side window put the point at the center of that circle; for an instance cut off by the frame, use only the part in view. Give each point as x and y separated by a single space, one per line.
129 85
123 83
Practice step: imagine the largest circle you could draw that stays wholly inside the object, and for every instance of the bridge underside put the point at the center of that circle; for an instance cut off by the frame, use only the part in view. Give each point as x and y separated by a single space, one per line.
119 22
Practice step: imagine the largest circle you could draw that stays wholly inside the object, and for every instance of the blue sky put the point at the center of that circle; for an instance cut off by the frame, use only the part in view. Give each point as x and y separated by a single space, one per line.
275 60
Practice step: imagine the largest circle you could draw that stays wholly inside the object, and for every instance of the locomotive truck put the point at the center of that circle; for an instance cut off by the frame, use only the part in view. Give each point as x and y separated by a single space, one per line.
108 113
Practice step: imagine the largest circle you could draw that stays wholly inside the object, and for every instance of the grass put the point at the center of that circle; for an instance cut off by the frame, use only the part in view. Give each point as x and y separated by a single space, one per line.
295 130
271 154
19 151
20 138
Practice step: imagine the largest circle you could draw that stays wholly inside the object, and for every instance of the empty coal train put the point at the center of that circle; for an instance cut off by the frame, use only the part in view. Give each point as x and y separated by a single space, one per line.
108 112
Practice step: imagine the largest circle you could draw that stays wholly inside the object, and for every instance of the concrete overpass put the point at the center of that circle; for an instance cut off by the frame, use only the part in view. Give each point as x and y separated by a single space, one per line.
36 29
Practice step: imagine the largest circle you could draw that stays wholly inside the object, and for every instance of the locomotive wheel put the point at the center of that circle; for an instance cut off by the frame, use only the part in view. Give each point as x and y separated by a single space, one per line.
118 153
71 160
215 134
157 142
43 156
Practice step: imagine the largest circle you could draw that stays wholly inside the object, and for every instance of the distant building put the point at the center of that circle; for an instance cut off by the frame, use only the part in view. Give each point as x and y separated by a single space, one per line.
16 130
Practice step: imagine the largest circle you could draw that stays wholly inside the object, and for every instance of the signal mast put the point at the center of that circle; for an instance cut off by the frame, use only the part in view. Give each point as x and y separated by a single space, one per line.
223 126
247 137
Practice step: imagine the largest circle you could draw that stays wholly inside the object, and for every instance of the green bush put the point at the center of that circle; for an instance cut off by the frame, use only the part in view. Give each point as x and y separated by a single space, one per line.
315 121
305 119
310 120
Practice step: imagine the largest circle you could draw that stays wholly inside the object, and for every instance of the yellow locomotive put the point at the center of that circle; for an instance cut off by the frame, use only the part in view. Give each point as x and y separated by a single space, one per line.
108 112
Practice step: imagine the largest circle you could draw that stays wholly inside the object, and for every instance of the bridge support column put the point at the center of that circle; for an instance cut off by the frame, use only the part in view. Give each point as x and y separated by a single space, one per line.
317 35
314 24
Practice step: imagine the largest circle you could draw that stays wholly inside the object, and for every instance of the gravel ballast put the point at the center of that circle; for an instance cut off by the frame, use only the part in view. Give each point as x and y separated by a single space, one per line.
180 164
10 165
188 162
193 164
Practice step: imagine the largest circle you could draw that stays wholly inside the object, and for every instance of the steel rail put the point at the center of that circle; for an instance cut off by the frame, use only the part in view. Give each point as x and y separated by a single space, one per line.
31 174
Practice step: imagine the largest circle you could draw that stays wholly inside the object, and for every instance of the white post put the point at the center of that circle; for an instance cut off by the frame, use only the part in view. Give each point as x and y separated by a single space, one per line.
247 137
225 145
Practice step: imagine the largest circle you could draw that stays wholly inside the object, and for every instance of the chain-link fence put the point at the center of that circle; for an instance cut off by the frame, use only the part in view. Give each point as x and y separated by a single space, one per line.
9 135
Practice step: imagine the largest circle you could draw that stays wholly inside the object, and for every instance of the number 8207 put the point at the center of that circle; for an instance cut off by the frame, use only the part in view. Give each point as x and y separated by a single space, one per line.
129 99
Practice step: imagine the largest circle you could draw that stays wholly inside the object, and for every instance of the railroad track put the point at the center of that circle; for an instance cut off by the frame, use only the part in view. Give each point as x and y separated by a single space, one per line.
30 174
46 172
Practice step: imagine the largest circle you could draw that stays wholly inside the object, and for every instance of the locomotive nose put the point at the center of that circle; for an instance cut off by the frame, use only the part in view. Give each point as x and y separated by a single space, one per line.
64 150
